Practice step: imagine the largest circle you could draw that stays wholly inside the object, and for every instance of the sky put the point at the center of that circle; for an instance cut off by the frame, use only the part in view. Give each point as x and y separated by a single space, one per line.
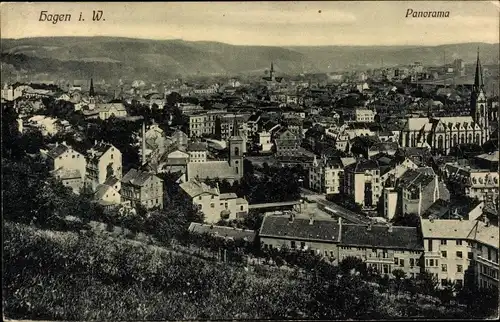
292 23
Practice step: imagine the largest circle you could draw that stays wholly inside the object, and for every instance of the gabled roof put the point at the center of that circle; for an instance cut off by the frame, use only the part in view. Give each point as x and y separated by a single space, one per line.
363 165
210 169
416 177
194 188
379 236
57 151
281 227
137 177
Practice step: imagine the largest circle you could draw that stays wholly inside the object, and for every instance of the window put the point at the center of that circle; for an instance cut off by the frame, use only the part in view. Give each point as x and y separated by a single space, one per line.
73 156
431 262
444 268
443 242
241 208
460 268
396 261
157 201
386 269
459 282
212 205
293 244
429 242
331 253
302 245
402 262
470 255
199 198
459 254
459 242
444 254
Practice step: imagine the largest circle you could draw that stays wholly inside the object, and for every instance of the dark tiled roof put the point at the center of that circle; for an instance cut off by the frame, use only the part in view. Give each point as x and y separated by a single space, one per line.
379 236
57 151
415 177
136 177
299 228
111 181
363 165
197 146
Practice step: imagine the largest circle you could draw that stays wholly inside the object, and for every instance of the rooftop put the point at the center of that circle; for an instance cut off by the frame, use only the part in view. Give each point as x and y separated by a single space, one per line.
380 236
195 188
137 177
221 231
282 227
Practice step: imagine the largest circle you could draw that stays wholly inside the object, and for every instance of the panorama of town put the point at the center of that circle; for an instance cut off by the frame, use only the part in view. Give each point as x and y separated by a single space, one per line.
366 194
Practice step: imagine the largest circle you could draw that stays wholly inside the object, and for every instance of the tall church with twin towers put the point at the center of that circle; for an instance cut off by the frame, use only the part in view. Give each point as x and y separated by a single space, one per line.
443 133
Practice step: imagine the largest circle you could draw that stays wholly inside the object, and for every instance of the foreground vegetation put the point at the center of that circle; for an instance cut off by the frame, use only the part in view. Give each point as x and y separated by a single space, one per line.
81 276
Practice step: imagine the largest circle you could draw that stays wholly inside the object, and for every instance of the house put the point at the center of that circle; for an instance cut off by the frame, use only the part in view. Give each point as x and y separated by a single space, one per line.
103 161
144 188
108 193
213 204
67 165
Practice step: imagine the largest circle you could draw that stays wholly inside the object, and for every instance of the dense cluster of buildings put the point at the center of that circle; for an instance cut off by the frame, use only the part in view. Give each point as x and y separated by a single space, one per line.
365 138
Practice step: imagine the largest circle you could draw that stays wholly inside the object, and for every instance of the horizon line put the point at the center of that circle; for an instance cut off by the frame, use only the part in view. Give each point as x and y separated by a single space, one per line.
259 45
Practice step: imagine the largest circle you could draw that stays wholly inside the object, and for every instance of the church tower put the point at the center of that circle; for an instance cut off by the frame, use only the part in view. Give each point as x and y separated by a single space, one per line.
479 106
236 149
92 92
271 72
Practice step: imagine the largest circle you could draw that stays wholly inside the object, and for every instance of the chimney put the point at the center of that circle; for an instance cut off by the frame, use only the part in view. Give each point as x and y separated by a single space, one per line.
143 156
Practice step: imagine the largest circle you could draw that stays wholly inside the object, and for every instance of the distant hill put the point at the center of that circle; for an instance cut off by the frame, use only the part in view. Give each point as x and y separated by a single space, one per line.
113 57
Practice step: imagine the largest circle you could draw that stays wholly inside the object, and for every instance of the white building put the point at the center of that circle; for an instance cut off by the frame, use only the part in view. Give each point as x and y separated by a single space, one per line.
213 204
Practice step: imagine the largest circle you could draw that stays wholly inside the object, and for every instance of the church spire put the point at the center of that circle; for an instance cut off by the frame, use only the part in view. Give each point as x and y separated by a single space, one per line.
478 78
91 91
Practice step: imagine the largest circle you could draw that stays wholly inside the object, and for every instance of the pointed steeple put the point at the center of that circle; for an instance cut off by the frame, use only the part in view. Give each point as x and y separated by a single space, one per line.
478 78
236 131
91 91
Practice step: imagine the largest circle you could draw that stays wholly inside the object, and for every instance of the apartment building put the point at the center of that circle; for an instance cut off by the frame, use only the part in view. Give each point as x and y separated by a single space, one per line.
197 152
453 246
326 175
140 187
384 248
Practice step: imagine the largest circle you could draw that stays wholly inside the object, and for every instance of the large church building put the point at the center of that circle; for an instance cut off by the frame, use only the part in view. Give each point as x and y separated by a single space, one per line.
443 133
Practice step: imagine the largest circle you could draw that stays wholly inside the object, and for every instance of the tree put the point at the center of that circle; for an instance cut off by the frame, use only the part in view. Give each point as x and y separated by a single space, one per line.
350 264
173 98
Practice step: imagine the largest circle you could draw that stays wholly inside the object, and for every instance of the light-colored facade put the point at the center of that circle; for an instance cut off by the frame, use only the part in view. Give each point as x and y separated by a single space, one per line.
475 183
214 205
103 161
362 183
364 115
264 141
104 111
454 246
326 176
